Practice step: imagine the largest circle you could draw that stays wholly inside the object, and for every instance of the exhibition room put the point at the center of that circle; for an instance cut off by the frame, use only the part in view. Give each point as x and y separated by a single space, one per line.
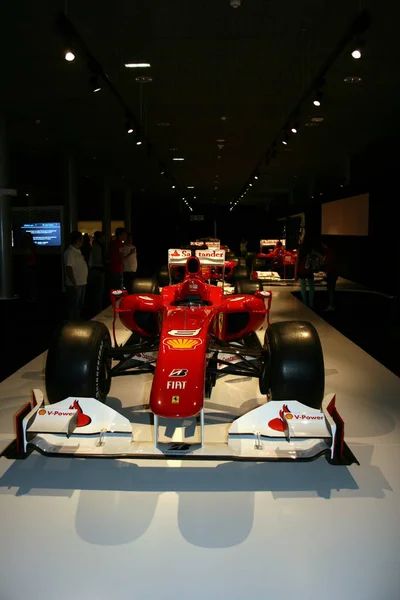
199 299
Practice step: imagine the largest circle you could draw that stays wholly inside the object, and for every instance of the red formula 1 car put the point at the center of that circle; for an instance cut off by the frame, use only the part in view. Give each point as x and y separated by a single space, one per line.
274 264
187 340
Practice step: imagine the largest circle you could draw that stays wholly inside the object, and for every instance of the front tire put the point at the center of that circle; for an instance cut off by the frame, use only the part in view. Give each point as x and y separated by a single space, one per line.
78 363
294 368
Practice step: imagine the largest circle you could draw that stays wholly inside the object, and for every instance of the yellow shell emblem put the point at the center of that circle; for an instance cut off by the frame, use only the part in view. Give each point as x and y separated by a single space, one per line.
182 343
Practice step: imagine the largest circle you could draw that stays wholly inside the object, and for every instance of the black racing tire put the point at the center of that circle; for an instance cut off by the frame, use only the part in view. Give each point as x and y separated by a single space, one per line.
163 276
294 368
248 286
240 273
78 362
259 264
145 286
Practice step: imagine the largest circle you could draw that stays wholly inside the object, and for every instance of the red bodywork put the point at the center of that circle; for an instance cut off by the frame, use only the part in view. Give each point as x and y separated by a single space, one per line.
185 317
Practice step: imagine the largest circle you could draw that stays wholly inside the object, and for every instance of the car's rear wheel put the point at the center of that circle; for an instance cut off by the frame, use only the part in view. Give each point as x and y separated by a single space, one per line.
145 286
248 286
78 362
163 276
294 367
240 273
259 264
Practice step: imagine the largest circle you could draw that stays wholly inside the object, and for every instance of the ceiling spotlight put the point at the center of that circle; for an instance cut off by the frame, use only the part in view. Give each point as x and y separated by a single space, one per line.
356 51
353 79
138 142
144 79
285 139
94 84
129 129
173 187
295 128
178 158
190 187
318 99
137 65
69 56
250 185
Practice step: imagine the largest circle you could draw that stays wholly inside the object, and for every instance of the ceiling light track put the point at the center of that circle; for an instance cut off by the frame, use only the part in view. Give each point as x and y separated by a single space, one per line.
76 46
356 28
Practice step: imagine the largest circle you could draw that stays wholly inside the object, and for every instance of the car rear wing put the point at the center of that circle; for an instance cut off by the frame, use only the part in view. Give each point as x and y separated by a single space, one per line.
212 257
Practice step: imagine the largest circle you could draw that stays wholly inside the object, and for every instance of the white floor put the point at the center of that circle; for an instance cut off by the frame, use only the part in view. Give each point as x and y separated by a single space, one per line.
81 529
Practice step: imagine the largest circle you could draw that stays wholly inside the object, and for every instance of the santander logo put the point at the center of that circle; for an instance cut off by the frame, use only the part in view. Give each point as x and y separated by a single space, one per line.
278 423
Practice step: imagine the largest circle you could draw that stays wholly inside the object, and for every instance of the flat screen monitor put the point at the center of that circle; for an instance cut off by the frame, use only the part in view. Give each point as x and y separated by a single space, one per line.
44 234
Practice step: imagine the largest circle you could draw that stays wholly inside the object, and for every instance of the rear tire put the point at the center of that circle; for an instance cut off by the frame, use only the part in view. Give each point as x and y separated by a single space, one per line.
145 286
295 364
248 286
163 276
78 363
240 273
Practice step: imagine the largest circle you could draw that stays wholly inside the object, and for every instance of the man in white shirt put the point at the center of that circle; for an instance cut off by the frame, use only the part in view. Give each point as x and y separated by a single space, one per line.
130 263
76 274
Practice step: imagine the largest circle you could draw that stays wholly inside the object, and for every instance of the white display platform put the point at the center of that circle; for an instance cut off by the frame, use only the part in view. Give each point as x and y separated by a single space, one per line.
75 528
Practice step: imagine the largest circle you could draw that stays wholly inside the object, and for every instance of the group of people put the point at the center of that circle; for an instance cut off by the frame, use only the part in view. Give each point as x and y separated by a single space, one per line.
90 266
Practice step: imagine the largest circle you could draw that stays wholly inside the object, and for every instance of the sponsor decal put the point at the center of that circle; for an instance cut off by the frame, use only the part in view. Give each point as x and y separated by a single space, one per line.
144 355
278 424
184 332
182 343
176 385
193 286
175 400
210 253
178 373
82 421
221 322
180 253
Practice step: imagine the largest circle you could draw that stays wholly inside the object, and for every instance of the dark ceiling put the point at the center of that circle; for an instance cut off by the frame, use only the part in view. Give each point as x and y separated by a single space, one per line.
250 65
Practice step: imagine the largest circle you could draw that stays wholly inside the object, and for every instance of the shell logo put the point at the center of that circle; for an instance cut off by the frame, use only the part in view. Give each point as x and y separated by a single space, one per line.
182 343
42 411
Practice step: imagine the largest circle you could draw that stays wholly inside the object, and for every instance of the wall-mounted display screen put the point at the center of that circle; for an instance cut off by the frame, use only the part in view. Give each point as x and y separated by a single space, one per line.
44 234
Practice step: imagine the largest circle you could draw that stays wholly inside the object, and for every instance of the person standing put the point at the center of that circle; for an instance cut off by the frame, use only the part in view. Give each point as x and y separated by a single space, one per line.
130 264
309 257
86 247
76 274
96 279
118 259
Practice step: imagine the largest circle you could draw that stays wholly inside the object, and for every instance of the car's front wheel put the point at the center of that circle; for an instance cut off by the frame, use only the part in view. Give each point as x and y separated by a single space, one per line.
294 364
78 362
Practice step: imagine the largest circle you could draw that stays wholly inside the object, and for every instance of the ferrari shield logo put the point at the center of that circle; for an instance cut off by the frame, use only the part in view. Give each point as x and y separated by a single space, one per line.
175 399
